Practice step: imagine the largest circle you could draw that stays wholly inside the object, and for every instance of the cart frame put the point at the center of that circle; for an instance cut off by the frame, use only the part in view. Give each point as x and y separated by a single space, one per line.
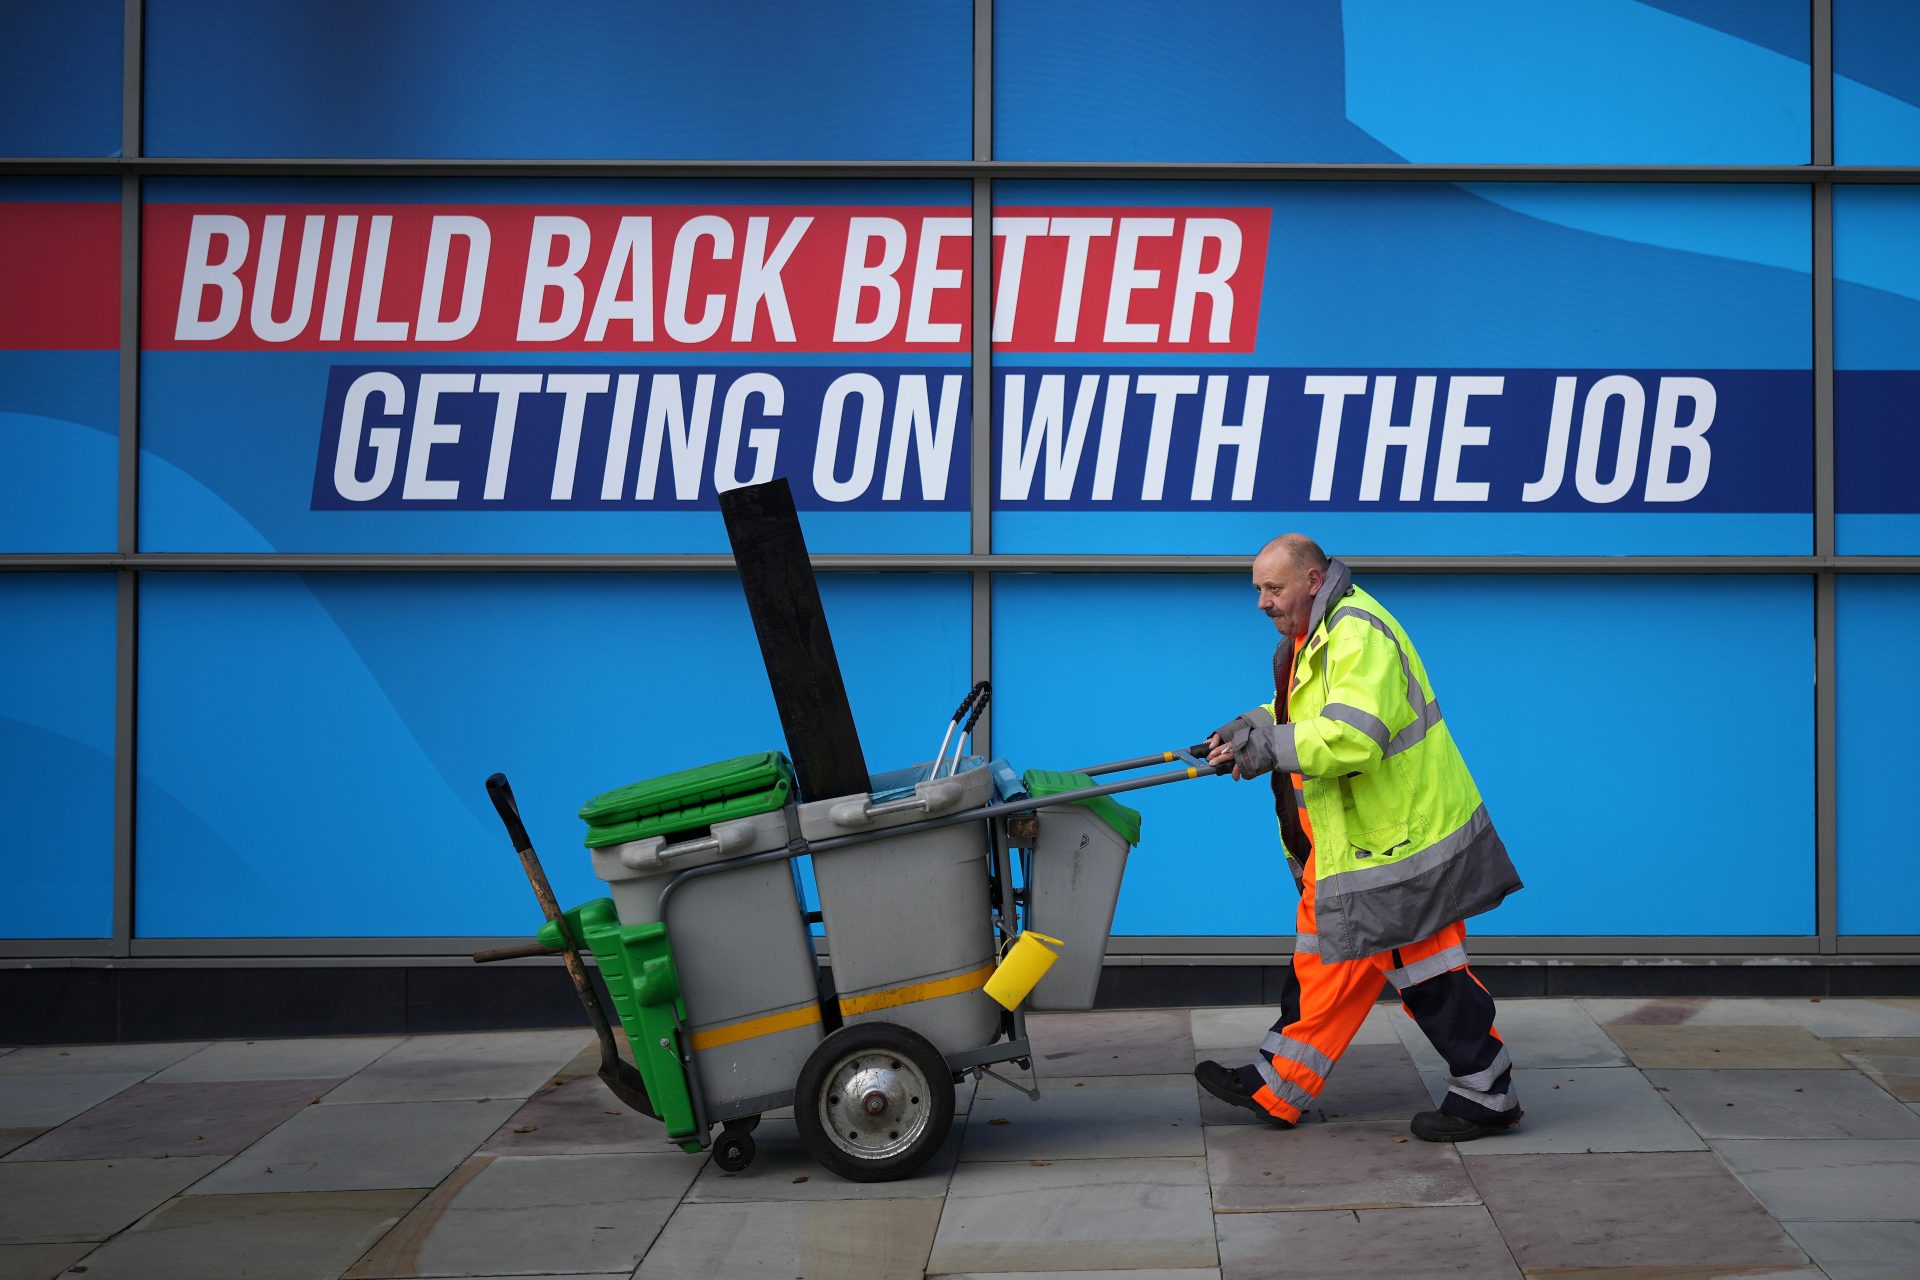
739 1117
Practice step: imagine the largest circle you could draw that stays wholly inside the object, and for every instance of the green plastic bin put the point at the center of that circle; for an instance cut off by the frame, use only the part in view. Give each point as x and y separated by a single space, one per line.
675 802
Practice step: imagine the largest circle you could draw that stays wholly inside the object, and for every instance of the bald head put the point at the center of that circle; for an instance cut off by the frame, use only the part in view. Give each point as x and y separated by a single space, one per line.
1300 550
1286 574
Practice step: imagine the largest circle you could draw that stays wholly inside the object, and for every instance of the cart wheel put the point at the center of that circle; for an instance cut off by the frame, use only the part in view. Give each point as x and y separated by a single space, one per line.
874 1101
734 1151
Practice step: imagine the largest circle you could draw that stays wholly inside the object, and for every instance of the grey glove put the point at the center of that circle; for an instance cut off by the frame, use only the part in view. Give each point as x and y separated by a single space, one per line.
1244 733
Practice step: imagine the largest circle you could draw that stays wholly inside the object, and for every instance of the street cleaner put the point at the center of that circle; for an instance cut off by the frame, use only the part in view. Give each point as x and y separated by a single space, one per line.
1388 841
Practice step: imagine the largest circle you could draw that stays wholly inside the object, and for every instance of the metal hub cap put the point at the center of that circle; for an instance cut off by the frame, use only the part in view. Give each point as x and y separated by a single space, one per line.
875 1105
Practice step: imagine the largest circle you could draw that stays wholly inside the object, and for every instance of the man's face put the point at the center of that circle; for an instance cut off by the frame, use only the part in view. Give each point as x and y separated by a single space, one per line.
1286 591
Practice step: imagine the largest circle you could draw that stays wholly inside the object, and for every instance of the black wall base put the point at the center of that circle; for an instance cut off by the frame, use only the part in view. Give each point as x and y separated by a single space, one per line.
96 1004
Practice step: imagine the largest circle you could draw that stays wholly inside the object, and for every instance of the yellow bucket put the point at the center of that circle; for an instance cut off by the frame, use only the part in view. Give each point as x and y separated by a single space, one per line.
1021 969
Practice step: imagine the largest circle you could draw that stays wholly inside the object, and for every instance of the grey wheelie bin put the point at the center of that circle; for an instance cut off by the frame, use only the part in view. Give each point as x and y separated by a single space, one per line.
908 917
1073 882
740 940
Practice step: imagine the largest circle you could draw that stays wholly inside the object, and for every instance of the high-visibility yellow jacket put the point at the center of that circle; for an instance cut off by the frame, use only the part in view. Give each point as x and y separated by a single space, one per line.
1402 843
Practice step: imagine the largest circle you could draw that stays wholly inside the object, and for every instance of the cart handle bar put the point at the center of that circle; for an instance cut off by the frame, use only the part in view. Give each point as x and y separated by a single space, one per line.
1193 755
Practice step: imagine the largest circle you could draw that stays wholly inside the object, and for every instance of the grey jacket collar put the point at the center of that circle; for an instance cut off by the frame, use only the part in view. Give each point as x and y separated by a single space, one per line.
1337 583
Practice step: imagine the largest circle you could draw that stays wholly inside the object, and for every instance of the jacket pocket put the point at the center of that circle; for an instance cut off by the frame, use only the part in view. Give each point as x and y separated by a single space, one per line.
1375 811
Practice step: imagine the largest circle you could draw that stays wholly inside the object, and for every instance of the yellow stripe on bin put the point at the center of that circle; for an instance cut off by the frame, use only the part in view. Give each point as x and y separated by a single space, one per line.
753 1028
897 996
1193 773
1167 756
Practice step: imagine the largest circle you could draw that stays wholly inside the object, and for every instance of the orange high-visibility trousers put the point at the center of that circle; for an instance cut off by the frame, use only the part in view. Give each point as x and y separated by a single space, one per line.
1323 1005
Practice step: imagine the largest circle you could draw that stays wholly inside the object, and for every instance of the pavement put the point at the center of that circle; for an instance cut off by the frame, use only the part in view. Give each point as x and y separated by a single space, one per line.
1667 1138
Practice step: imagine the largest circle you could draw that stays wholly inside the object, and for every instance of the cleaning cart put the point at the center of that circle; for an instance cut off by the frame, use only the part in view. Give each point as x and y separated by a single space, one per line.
708 951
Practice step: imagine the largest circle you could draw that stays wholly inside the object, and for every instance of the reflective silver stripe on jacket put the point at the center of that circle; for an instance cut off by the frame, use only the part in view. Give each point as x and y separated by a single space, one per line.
1286 756
1365 721
1394 902
1407 868
1426 712
1285 1090
1279 1046
1306 942
1431 967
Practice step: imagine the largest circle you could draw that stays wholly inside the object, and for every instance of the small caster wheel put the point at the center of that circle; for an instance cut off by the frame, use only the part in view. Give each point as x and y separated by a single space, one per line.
734 1151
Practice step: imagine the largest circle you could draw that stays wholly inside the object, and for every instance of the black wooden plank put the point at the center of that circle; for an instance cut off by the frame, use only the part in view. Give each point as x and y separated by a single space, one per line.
784 599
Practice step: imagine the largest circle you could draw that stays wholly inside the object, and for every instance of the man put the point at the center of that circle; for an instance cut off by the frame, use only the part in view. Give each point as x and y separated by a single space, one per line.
1388 841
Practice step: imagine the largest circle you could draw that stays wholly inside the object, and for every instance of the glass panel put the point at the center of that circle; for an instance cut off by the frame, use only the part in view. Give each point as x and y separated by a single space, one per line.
1611 783
56 754
61 65
314 749
1425 369
1384 81
591 79
59 364
1876 347
1876 82
463 367
1875 622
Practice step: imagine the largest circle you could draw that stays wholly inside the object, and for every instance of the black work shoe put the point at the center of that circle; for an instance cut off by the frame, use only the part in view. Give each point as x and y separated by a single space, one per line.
1438 1126
1226 1085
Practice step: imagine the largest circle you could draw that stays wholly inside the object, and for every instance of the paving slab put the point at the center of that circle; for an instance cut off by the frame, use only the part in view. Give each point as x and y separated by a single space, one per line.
40 1261
1407 1244
494 1064
1861 1250
177 1120
1784 1104
1072 1215
1369 1082
524 1214
1672 1210
1098 1117
1225 1032
575 1115
1696 1011
1553 1033
51 1201
783 1169
360 1148
1150 1273
12 1138
1656 1048
312 1236
1538 1033
1830 1180
43 1099
850 1239
110 1058
1586 1109
1893 1064
1332 1166
311 1059
1841 1017
1143 1042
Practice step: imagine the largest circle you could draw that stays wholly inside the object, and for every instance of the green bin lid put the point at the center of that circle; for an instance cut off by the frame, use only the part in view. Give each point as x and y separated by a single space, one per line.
736 788
1048 782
